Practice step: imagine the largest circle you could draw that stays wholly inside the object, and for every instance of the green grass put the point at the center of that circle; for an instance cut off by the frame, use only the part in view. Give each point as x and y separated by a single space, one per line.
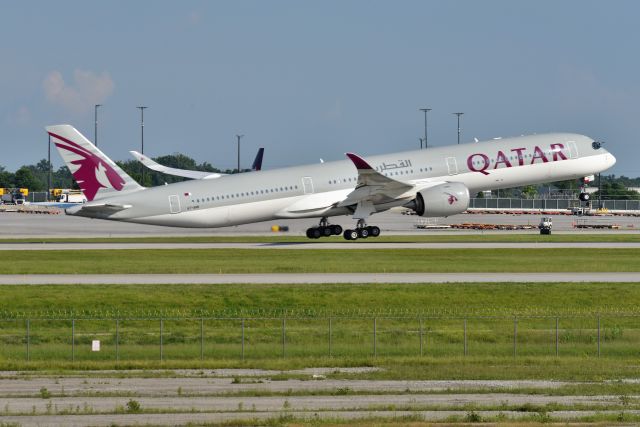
503 299
488 308
319 261
480 237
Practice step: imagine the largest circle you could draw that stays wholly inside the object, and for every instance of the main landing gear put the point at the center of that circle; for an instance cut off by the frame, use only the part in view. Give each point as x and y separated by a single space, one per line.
362 231
324 229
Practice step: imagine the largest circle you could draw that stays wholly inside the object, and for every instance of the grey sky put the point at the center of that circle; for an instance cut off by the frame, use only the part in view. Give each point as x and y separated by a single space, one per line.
310 80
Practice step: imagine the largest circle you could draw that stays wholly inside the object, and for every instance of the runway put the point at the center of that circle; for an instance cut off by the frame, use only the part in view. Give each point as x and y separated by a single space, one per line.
17 225
312 278
323 245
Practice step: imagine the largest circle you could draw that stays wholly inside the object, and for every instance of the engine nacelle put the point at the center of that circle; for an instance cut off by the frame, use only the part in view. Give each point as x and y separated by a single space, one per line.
442 200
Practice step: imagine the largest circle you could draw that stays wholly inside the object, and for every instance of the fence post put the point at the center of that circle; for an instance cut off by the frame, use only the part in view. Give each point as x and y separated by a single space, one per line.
598 335
28 339
375 336
283 334
465 336
73 340
330 337
242 327
161 327
515 335
421 332
201 338
556 337
117 340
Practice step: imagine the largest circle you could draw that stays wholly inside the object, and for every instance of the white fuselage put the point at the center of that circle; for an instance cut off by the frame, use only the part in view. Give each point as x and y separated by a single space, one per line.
316 190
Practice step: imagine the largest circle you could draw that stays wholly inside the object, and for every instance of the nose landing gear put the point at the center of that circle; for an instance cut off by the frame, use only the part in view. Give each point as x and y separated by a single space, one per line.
362 231
324 229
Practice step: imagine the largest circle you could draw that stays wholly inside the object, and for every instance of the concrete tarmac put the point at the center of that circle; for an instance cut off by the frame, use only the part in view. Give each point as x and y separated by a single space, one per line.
323 244
313 278
18 225
92 399
248 417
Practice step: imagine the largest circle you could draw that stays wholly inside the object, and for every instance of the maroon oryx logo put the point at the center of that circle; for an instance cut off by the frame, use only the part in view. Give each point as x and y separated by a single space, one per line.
452 199
93 173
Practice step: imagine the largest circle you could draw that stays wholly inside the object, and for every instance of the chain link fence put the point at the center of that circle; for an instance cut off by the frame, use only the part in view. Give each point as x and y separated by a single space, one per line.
550 204
241 338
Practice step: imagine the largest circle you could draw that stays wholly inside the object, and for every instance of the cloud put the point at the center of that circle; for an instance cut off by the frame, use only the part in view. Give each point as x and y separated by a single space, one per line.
87 89
20 117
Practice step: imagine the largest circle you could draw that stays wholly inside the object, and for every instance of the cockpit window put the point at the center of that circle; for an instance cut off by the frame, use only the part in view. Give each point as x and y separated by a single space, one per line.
596 145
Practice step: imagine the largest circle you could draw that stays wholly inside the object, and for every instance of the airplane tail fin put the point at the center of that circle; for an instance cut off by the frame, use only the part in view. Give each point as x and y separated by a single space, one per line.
257 163
97 175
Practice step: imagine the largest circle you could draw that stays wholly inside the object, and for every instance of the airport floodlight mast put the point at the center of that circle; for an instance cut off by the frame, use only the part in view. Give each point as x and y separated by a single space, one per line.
142 137
95 129
425 110
421 139
49 172
239 136
458 114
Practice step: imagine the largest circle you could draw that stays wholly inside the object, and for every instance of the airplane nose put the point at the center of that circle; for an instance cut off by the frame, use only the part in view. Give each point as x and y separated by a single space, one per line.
610 160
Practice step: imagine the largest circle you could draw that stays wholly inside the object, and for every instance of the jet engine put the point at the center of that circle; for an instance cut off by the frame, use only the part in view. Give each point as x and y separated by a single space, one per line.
441 200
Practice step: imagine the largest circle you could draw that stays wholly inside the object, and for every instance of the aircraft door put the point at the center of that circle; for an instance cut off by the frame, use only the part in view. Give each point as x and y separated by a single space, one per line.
573 150
452 166
307 185
174 204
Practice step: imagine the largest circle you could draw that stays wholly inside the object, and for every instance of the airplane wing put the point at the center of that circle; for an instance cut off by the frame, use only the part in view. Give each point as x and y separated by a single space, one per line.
372 188
173 171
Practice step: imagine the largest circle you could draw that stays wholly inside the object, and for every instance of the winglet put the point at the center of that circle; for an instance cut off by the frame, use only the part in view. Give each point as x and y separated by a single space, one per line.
358 161
173 171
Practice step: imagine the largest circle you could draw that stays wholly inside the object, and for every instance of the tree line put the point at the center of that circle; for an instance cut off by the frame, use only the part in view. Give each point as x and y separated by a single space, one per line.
35 178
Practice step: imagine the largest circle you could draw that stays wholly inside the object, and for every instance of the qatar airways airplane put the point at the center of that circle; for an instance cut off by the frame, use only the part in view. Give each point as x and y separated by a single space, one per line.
436 182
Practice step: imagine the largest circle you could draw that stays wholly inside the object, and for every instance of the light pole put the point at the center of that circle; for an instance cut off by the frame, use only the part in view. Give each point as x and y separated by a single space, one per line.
458 114
142 136
49 174
95 129
421 139
425 110
239 136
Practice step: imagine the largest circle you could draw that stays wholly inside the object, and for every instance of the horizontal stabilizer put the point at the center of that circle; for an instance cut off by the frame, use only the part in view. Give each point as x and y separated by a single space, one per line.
105 208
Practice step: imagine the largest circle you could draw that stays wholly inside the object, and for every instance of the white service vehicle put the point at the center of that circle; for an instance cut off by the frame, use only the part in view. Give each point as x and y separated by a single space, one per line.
545 225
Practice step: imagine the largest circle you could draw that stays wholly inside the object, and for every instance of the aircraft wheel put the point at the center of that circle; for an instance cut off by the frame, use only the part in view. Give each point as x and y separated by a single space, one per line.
363 232
350 235
336 230
374 231
325 231
314 233
584 197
